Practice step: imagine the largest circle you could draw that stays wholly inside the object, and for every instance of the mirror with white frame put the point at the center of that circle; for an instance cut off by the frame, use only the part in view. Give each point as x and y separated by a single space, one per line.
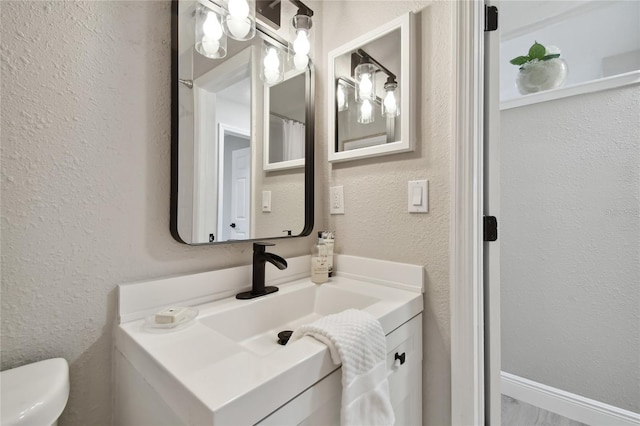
227 184
284 123
372 101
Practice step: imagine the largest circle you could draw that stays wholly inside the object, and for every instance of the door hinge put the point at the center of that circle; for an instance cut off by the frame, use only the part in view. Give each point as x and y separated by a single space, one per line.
490 228
490 18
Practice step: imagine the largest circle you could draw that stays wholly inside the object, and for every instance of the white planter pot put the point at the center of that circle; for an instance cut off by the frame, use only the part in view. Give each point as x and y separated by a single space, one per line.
541 75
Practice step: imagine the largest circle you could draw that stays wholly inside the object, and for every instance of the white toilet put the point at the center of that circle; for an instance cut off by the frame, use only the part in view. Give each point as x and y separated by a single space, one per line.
34 394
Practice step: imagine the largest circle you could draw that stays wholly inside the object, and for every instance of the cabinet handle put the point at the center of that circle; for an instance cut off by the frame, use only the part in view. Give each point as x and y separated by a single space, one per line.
400 359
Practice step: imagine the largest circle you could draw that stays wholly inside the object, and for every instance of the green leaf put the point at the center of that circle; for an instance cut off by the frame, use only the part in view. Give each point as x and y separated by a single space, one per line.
537 51
552 56
520 60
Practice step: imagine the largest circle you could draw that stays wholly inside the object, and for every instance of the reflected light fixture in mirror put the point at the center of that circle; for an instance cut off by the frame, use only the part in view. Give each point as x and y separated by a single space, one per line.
390 108
272 64
240 21
213 26
301 27
342 97
364 74
211 41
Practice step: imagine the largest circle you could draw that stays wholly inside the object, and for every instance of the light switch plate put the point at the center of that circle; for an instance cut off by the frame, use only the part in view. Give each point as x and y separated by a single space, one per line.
336 200
418 196
266 201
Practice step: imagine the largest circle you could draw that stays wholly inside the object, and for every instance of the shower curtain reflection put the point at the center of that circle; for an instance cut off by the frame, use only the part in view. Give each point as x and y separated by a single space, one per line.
287 138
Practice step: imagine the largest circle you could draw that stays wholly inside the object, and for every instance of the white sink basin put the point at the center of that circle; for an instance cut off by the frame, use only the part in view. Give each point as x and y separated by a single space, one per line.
228 359
255 324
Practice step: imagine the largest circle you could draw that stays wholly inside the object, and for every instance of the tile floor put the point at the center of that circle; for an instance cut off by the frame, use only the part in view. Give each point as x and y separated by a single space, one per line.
518 413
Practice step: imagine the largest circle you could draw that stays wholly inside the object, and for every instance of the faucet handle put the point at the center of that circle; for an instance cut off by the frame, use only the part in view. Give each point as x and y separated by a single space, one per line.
260 246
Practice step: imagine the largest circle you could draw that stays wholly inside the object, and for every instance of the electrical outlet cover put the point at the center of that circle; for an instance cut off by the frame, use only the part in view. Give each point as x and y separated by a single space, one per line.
336 200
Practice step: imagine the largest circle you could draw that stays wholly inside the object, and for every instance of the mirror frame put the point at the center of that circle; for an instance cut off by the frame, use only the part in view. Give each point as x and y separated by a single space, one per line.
309 168
408 61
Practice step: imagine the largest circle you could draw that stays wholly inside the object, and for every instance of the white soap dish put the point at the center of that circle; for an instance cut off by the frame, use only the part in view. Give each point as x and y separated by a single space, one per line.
150 323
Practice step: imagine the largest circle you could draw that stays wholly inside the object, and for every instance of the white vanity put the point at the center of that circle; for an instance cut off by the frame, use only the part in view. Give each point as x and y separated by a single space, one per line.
226 367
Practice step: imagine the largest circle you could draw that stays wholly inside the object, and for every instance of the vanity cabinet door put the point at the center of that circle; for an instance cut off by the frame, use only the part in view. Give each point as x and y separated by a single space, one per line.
317 406
405 375
320 404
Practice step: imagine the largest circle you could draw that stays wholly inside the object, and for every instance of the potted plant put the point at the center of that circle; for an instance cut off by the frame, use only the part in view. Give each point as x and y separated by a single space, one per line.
541 69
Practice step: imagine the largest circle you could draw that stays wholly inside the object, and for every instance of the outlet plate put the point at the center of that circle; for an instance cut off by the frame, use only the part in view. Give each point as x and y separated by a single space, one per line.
336 200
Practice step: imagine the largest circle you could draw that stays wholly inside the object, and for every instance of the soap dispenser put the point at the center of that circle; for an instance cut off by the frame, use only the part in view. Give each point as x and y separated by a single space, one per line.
319 262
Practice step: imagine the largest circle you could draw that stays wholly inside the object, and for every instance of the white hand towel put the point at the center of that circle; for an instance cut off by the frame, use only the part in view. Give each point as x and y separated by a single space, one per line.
356 340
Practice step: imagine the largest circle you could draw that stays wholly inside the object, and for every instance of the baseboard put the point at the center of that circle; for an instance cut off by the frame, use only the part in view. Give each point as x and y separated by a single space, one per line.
566 404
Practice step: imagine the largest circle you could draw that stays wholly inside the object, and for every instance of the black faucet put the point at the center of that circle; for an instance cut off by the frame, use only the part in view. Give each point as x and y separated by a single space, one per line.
260 256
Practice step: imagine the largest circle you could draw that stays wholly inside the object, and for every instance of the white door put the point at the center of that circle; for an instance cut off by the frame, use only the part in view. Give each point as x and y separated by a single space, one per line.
240 193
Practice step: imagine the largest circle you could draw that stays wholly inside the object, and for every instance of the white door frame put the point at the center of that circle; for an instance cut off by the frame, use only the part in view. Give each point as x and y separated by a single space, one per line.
491 207
466 233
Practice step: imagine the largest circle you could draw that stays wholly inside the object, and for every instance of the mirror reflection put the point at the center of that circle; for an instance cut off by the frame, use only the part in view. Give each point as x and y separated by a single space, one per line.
285 123
240 146
374 91
367 94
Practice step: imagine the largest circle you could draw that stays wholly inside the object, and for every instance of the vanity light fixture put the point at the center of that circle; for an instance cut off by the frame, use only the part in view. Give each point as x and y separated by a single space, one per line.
211 41
300 29
301 25
364 74
240 21
214 23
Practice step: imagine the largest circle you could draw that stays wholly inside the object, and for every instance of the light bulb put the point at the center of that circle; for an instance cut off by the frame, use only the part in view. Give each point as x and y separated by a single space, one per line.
365 110
238 9
210 46
271 75
271 61
301 44
390 104
341 98
365 87
300 61
239 27
211 27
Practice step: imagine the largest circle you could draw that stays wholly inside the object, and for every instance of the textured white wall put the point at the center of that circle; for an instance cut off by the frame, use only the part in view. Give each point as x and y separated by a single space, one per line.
570 253
85 119
376 223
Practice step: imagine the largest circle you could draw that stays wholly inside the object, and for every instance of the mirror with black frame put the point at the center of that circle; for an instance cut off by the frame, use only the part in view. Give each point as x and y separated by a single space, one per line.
242 139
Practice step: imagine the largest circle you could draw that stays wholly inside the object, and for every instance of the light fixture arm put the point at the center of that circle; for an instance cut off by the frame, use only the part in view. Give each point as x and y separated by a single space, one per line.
270 10
303 9
365 57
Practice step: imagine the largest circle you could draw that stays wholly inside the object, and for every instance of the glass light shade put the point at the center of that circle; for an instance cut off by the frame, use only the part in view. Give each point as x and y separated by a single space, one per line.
342 97
211 42
301 36
365 112
272 70
365 82
240 21
390 104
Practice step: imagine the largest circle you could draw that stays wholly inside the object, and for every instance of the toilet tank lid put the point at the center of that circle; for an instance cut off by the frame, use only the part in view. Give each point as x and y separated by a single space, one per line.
34 393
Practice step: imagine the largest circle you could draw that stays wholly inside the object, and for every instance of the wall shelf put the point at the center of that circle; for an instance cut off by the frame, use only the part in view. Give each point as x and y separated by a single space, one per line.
607 83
